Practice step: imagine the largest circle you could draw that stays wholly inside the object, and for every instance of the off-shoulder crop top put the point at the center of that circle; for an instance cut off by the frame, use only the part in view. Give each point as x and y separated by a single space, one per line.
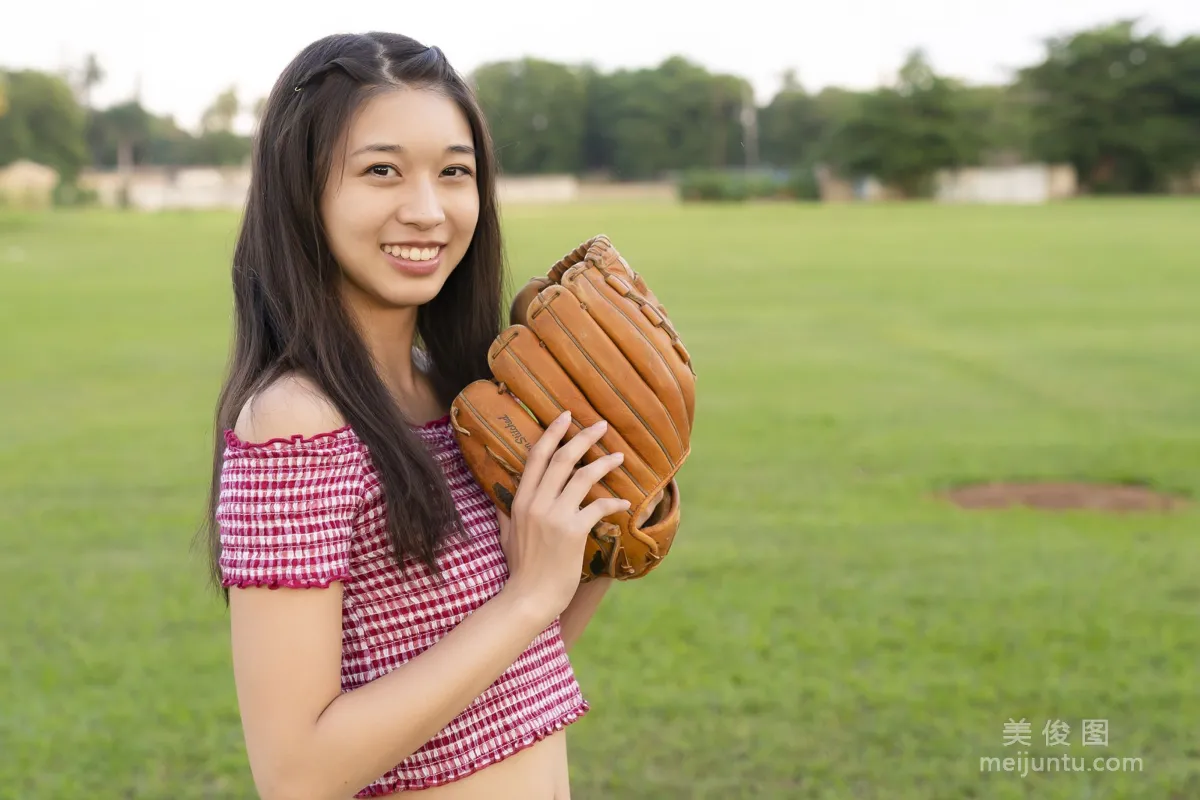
307 511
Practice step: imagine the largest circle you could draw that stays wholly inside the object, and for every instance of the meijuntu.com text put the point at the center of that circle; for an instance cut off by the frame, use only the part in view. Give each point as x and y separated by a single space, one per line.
1023 764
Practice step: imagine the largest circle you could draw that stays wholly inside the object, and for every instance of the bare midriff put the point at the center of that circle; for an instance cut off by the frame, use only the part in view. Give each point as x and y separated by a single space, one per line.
535 773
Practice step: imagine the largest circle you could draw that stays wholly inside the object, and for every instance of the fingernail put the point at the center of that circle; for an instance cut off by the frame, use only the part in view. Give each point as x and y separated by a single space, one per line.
601 425
563 417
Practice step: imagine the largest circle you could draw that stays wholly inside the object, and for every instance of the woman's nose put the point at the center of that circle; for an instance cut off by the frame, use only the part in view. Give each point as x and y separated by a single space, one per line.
422 206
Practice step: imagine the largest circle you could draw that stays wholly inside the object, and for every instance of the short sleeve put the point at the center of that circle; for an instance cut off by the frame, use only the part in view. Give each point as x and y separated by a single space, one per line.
287 509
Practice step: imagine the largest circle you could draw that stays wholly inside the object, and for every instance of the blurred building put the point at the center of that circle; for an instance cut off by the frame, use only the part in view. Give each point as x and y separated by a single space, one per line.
1011 183
1019 183
27 184
162 188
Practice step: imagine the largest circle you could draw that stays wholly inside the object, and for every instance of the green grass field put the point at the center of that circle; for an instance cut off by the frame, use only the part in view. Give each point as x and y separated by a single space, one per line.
825 627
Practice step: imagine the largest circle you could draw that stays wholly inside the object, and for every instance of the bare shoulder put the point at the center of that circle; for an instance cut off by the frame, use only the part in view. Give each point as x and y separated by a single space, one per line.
291 405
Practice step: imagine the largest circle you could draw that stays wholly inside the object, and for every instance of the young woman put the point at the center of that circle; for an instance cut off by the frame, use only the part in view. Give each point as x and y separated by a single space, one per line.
391 631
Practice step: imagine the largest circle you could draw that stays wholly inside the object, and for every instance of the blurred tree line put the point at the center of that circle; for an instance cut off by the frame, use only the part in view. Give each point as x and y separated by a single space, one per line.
49 118
1120 105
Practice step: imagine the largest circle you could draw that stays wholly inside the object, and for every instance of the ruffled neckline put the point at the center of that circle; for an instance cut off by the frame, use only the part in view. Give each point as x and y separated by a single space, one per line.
435 430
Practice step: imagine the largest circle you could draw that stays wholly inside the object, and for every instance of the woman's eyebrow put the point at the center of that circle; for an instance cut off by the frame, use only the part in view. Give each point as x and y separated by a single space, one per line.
381 147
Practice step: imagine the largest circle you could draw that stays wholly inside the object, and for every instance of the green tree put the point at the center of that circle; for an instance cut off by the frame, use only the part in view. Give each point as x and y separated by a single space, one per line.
904 134
126 129
625 136
43 123
221 114
1000 118
629 124
792 126
217 148
1118 105
537 112
642 123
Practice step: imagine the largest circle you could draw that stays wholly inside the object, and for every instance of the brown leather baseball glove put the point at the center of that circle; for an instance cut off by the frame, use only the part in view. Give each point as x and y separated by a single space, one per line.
589 337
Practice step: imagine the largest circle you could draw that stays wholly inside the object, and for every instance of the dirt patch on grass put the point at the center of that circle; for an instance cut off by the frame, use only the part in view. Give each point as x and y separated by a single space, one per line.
1063 496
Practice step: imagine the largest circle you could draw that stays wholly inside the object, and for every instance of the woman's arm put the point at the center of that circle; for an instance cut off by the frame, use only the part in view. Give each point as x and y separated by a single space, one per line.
305 739
588 596
583 606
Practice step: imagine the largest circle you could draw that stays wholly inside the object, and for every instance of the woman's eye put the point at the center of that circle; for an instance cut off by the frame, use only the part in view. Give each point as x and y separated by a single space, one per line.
461 172
381 170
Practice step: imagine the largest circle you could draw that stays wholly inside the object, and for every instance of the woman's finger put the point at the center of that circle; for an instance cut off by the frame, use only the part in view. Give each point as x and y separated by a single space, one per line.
563 462
581 483
593 512
542 451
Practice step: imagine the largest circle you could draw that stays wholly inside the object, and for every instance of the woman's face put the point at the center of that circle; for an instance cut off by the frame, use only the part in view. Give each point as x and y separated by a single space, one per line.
401 204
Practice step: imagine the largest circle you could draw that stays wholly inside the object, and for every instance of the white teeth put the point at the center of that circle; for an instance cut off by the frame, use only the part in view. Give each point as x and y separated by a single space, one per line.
411 253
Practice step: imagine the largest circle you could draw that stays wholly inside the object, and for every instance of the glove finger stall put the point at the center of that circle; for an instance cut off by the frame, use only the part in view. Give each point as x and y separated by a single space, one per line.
495 435
613 385
637 331
518 359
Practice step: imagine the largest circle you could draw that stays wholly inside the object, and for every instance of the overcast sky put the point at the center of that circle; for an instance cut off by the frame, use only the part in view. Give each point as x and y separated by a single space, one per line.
185 54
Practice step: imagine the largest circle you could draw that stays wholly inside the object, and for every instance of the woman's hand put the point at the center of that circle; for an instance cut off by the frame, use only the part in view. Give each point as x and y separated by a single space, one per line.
545 537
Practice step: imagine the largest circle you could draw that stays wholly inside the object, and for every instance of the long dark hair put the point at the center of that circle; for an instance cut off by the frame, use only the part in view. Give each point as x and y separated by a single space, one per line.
288 316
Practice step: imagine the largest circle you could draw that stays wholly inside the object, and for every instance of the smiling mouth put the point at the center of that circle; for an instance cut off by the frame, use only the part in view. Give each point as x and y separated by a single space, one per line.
411 253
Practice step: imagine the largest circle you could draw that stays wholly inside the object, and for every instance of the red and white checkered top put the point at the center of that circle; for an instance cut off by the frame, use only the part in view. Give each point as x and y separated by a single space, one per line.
306 511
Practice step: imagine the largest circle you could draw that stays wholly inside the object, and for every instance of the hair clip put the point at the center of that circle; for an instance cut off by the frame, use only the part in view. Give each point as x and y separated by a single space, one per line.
320 72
